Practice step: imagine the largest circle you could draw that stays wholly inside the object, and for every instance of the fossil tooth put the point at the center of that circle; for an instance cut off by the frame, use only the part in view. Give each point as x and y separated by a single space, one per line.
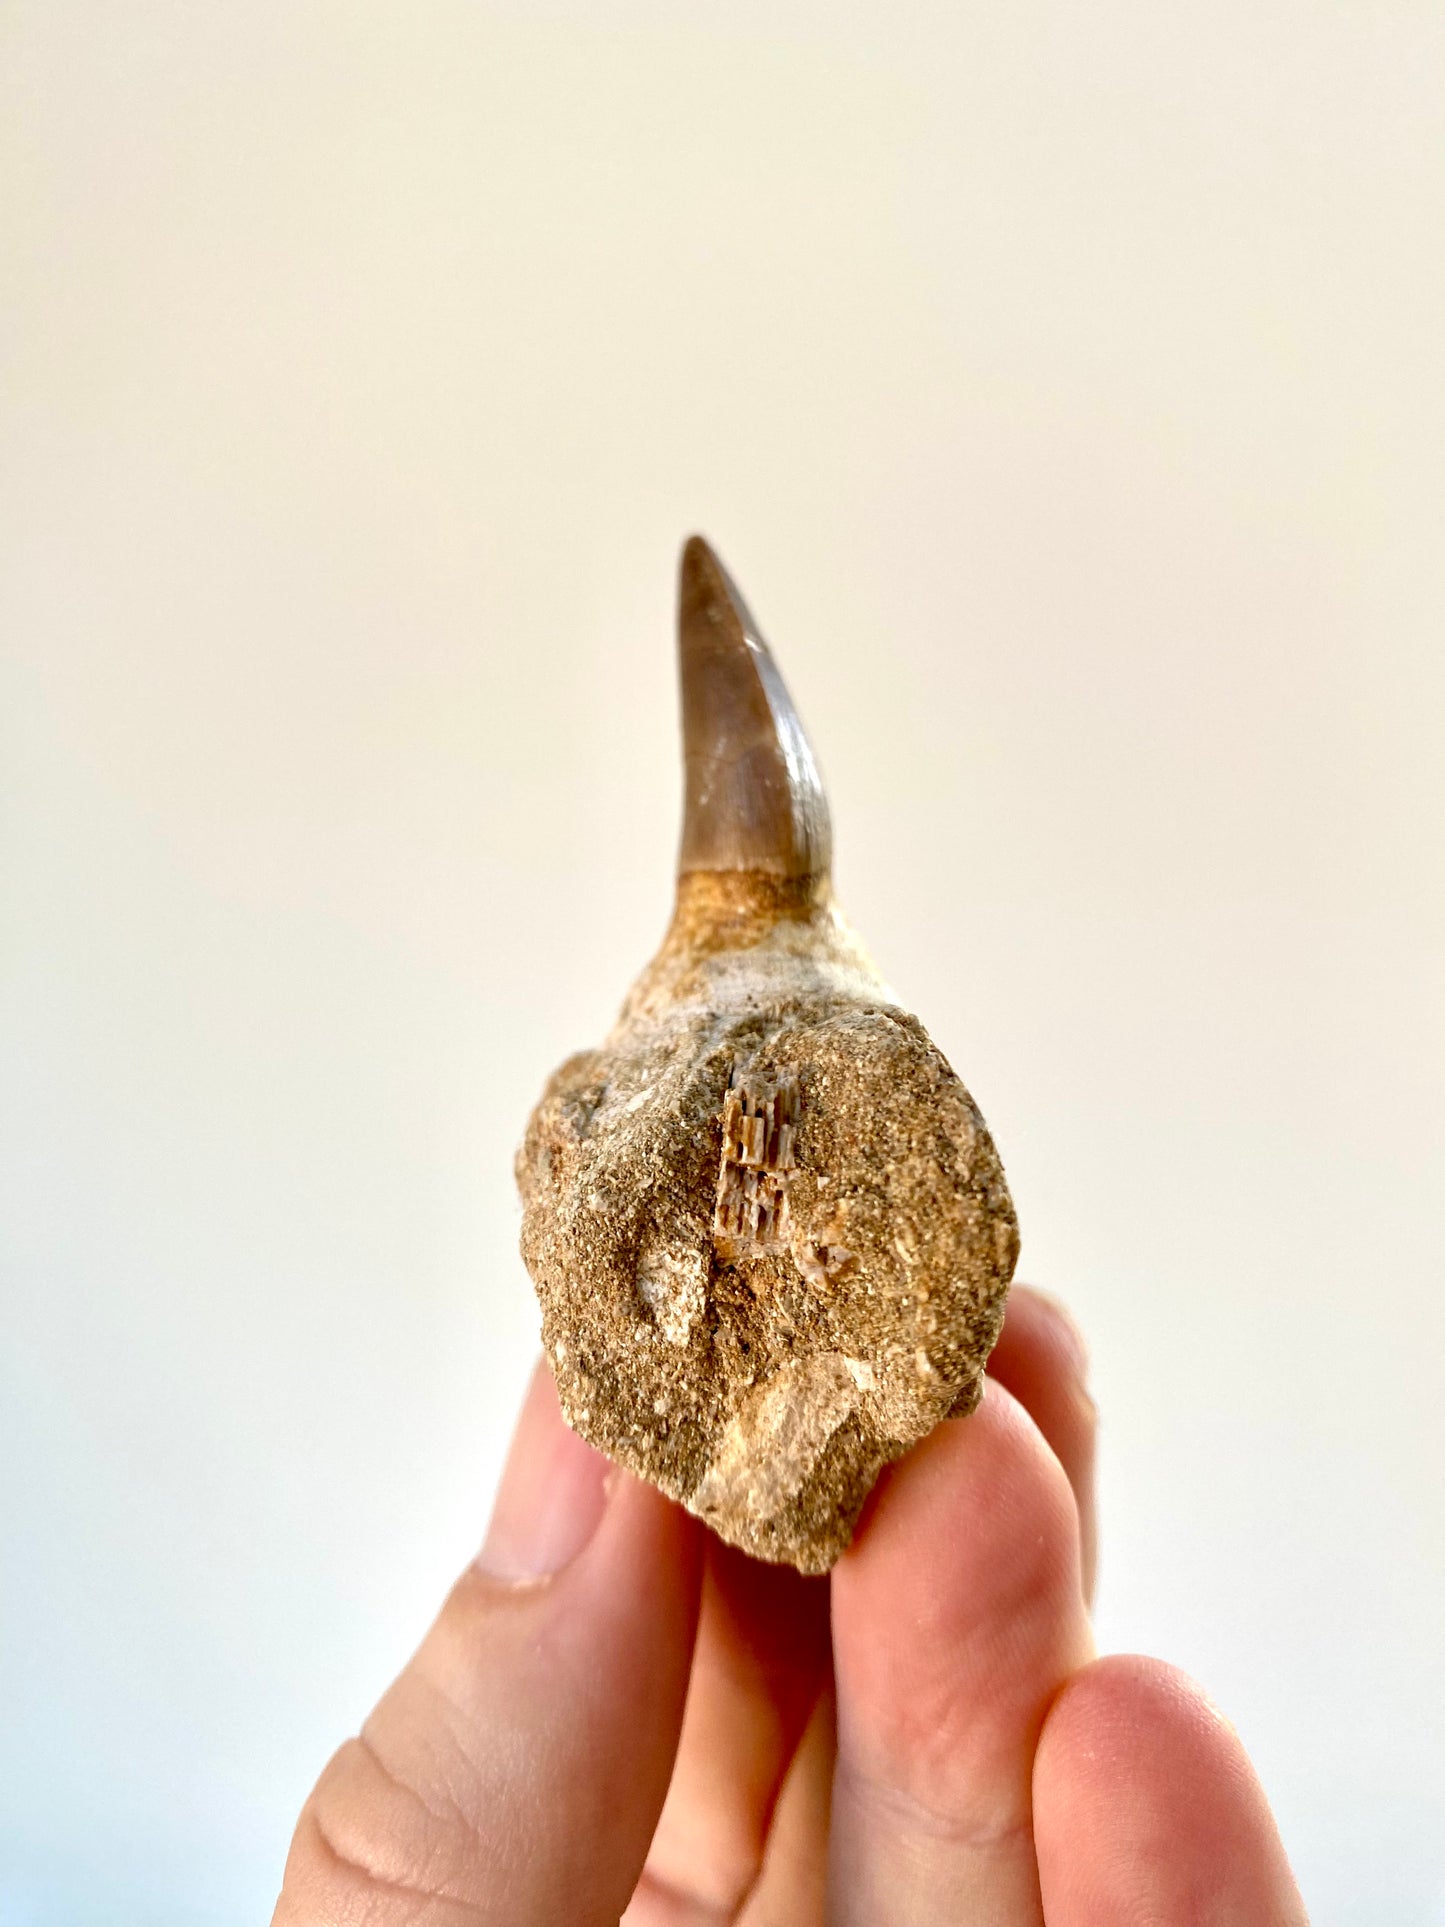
752 798
767 1225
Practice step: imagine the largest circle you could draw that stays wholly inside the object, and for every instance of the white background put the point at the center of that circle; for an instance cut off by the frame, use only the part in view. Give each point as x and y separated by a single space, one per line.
1063 386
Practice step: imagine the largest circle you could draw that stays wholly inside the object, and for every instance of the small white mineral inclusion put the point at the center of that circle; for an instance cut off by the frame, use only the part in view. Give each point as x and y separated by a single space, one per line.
672 1283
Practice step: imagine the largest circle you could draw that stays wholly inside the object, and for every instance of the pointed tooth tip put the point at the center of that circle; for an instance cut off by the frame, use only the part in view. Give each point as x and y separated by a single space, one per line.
705 589
753 800
699 557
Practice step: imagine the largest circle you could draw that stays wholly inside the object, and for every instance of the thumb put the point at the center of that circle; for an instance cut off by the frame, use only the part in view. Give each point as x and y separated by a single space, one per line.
515 1771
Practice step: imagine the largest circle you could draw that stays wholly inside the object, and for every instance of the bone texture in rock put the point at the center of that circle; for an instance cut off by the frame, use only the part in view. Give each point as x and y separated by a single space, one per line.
767 1225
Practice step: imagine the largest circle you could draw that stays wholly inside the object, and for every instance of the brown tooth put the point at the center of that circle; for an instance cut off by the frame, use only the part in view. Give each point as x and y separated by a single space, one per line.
752 796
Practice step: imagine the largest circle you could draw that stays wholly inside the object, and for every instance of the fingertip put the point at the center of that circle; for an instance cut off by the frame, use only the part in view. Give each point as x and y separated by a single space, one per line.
981 1496
643 1536
960 1592
560 1498
553 1492
1126 1709
956 1615
1041 1322
1042 1359
1146 1806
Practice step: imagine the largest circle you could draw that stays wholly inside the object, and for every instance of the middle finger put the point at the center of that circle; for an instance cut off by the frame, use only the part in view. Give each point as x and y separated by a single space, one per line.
957 1614
760 1661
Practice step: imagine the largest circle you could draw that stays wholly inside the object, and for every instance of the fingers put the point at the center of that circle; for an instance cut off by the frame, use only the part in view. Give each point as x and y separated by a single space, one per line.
792 1887
1041 1358
1147 1812
762 1649
759 1665
515 1771
957 1615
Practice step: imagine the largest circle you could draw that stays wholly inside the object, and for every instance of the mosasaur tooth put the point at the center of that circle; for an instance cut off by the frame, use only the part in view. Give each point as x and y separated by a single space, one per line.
767 1225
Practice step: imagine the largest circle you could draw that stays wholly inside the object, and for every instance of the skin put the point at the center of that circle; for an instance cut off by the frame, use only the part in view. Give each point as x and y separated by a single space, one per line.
615 1717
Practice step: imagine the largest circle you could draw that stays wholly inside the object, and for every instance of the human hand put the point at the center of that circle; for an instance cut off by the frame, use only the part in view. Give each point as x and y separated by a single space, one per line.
616 1716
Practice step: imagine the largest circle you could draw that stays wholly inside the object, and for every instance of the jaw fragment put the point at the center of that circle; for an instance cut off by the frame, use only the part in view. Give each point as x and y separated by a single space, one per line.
769 1230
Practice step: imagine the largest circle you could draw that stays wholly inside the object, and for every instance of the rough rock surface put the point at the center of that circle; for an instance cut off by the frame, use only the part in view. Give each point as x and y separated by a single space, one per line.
767 1225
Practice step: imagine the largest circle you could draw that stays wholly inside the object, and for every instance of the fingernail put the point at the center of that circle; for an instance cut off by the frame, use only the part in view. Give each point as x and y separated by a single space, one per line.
552 1496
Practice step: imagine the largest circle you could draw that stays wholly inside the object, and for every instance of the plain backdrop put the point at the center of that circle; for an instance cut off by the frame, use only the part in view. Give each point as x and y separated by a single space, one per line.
1064 386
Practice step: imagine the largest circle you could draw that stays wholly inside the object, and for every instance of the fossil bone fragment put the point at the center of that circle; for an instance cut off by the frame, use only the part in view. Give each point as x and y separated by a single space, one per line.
767 1225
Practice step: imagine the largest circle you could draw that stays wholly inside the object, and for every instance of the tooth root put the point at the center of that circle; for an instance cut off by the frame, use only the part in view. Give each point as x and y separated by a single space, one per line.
752 796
